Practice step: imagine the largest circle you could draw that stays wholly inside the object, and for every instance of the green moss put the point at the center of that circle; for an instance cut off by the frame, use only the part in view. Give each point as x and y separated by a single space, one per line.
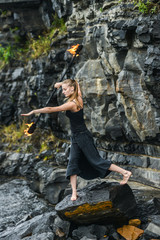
29 148
46 158
44 147
18 150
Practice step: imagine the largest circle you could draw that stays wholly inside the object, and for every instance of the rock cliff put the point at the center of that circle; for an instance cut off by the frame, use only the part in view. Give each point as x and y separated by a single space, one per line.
118 70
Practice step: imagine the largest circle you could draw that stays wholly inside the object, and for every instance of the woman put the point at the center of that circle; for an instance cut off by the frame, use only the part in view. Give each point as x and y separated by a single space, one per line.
84 159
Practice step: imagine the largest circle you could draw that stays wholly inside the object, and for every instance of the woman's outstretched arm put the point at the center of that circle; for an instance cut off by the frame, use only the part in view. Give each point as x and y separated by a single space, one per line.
61 108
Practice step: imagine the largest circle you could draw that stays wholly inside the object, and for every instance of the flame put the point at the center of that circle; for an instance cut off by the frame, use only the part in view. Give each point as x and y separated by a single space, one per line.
26 130
73 50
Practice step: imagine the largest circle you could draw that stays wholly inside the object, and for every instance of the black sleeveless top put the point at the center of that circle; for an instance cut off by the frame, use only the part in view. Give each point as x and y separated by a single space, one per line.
76 121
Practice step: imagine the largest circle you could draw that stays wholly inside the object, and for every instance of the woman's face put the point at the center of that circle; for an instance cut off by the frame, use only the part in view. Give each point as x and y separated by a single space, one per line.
67 90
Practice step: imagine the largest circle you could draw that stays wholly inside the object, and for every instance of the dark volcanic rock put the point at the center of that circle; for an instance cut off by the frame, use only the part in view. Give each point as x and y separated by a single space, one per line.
89 232
18 203
105 202
44 178
37 226
24 215
157 204
153 228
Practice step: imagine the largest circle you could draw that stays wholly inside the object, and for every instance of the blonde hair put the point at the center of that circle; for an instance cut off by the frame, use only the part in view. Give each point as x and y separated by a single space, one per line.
74 96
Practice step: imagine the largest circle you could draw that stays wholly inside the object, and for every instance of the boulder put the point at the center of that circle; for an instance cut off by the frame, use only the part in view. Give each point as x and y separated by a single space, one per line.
35 226
24 215
153 228
157 204
18 203
89 232
2 156
52 182
99 202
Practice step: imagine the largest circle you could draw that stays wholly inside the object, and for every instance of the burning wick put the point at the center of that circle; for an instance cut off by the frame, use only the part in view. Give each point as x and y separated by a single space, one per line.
30 129
73 50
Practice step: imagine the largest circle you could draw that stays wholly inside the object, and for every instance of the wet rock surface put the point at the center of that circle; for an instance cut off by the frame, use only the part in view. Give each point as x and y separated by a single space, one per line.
18 202
118 71
25 215
46 178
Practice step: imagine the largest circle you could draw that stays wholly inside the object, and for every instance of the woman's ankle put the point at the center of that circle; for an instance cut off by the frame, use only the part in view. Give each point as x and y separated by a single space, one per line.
126 176
74 195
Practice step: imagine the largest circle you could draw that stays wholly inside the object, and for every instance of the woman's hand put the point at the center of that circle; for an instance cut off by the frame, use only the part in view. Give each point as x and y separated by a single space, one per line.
58 85
27 114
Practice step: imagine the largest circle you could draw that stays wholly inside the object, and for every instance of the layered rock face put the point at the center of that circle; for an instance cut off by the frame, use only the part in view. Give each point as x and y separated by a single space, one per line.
118 70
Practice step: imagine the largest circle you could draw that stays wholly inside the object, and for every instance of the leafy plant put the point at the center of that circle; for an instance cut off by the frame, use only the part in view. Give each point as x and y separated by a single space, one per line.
145 7
59 23
3 13
154 9
9 53
40 46
6 54
44 146
14 29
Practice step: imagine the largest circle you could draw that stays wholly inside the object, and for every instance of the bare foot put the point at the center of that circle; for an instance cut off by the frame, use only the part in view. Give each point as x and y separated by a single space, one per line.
126 177
74 197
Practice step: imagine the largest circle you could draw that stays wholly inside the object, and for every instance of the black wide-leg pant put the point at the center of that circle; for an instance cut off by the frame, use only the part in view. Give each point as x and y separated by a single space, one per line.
84 159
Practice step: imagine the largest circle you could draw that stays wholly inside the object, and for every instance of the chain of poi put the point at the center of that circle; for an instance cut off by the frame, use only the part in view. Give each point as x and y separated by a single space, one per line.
75 53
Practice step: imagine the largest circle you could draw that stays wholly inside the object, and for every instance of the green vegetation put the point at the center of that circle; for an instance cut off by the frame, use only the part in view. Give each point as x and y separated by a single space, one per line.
14 139
9 53
11 134
3 13
145 7
44 146
39 47
6 54
33 47
14 29
59 23
42 44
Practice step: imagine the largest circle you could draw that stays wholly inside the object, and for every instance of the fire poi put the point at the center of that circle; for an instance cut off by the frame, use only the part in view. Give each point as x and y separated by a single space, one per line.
74 50
30 129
